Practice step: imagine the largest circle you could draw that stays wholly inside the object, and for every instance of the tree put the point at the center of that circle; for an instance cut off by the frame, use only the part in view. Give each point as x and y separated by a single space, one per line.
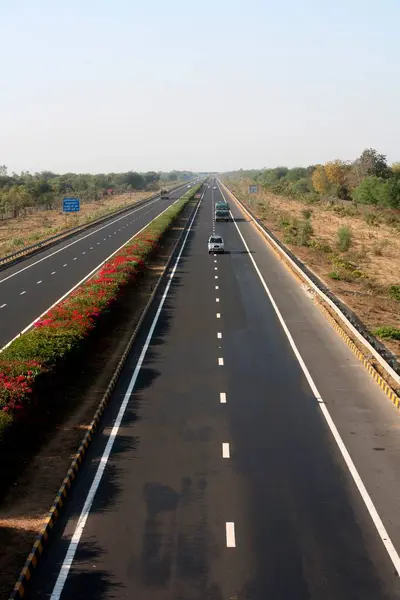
296 174
336 172
3 171
302 186
370 163
17 198
368 191
273 176
390 193
320 180
134 180
151 177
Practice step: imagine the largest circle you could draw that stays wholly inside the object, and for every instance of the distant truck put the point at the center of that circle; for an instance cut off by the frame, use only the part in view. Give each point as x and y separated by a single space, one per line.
164 194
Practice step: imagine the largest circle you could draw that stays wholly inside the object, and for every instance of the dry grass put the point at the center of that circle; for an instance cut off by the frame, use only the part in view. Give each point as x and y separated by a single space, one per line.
374 249
31 228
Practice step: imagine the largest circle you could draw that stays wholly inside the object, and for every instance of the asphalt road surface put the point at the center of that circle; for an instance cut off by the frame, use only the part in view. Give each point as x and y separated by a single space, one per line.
30 287
217 474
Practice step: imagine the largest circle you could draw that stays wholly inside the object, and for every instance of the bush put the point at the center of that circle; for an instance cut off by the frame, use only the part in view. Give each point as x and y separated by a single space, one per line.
372 219
377 247
305 231
307 213
369 190
321 246
344 235
394 292
387 332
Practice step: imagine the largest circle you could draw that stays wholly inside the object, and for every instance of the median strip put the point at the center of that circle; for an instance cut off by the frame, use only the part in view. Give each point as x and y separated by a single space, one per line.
60 498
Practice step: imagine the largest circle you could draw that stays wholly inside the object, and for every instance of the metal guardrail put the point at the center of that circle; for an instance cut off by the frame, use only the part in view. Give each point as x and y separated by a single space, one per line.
15 257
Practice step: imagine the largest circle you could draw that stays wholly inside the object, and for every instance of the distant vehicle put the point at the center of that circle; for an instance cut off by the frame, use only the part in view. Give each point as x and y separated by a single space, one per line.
215 244
164 194
189 186
215 187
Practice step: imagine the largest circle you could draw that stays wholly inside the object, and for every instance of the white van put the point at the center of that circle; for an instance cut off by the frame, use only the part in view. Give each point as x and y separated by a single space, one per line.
215 244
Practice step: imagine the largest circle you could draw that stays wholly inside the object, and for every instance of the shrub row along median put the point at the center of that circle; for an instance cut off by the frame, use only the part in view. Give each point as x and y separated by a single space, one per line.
63 329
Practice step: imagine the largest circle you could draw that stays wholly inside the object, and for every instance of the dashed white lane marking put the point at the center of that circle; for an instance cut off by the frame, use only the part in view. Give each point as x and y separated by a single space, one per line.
53 273
221 362
40 281
83 252
105 239
75 258
3 305
219 335
375 517
65 265
215 276
215 260
215 255
218 315
98 243
225 450
230 535
215 268
222 398
81 521
22 293
217 287
216 299
91 248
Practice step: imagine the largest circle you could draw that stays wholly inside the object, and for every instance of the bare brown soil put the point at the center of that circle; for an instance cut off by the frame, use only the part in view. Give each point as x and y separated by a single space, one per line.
45 457
375 250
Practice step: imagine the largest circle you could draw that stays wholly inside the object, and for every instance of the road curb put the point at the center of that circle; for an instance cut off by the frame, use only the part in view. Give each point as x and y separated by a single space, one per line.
59 501
279 252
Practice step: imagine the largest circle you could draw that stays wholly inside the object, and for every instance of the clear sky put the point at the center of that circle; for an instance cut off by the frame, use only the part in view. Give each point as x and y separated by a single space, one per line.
114 85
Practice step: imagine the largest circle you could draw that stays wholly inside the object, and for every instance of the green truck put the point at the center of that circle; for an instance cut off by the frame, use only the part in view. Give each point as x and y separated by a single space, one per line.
222 211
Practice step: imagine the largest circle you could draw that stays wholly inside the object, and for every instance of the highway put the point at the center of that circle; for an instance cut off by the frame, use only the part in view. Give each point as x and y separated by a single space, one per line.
30 287
246 454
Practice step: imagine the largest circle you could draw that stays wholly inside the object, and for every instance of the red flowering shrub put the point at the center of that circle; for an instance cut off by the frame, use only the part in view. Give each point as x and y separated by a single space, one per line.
63 327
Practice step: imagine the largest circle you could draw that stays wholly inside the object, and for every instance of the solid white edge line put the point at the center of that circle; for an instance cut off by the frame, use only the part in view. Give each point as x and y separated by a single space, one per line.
383 534
222 397
341 315
230 535
73 545
83 238
84 279
225 450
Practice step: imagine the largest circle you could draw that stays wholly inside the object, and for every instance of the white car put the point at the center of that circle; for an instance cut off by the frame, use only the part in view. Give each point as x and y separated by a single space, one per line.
215 187
215 244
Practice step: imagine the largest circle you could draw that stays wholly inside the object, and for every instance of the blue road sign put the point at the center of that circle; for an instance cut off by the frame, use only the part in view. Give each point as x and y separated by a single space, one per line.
253 189
71 205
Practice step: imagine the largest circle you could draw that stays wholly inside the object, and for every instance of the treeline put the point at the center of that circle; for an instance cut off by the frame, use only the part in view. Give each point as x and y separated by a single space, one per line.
45 189
367 180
